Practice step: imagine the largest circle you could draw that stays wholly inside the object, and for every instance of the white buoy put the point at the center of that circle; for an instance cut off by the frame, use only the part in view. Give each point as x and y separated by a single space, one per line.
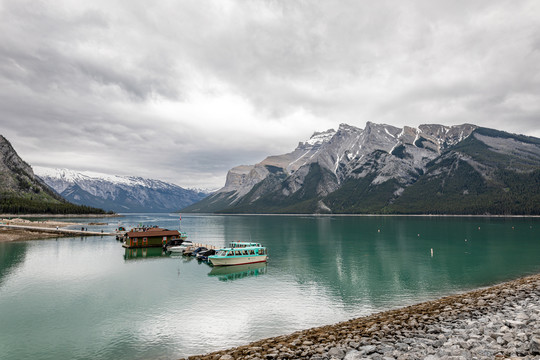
431 252
379 230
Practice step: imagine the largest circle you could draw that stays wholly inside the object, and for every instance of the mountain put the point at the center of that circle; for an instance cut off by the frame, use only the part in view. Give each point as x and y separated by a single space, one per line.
118 193
432 169
22 192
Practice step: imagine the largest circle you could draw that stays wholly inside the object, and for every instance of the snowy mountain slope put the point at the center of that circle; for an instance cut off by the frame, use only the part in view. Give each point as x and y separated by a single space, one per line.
118 193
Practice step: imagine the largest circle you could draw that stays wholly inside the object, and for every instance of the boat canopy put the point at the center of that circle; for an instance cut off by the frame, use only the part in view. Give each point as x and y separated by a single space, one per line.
242 244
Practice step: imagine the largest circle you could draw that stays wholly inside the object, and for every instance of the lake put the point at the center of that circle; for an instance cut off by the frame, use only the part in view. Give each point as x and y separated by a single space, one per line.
81 298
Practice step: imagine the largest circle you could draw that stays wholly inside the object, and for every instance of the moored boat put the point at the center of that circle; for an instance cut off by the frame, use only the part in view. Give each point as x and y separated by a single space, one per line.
239 256
180 248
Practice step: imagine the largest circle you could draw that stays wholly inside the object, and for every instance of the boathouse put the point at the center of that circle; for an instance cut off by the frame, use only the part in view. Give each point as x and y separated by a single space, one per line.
149 237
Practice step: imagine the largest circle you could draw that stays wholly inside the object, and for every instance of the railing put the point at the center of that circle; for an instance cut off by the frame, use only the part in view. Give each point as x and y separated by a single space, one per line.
207 246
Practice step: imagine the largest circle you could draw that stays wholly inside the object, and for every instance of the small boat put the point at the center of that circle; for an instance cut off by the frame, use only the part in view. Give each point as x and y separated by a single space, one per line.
173 242
239 255
203 255
194 250
180 248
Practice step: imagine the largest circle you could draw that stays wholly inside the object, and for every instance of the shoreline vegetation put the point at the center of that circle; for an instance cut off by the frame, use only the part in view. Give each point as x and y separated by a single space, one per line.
41 216
501 321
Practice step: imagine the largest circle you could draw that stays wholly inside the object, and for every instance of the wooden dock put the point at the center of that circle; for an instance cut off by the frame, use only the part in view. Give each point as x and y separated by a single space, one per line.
213 247
59 231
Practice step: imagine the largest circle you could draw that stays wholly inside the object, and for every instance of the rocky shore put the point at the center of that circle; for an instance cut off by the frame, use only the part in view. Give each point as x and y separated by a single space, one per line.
18 229
499 322
10 234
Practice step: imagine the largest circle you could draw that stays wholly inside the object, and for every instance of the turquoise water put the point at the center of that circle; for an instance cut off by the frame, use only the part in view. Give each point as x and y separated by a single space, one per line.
81 298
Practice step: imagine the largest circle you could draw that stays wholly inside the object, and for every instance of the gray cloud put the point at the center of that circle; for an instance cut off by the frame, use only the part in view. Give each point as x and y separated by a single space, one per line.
182 91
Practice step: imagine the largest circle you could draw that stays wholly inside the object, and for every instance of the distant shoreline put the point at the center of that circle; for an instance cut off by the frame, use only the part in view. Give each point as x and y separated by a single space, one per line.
372 215
3 216
262 214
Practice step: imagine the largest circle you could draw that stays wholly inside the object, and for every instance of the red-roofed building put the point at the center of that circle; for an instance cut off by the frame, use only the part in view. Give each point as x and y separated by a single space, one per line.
149 237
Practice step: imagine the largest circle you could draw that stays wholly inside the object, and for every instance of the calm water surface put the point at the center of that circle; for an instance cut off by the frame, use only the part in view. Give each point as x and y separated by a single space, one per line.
81 298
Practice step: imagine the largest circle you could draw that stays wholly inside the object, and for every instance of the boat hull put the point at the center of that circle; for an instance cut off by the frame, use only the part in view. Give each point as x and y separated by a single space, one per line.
234 260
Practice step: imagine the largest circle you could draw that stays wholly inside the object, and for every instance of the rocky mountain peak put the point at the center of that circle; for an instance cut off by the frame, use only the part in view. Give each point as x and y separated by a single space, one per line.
347 128
382 168
9 159
316 140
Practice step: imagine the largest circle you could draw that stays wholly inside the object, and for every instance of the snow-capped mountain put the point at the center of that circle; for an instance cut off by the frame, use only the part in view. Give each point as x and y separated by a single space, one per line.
118 193
368 170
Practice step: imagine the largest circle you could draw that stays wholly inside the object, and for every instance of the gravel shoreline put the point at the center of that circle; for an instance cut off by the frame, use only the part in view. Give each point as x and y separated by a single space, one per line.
499 322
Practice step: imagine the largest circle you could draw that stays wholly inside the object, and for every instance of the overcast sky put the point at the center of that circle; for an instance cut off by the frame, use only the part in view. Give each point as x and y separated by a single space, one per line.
182 91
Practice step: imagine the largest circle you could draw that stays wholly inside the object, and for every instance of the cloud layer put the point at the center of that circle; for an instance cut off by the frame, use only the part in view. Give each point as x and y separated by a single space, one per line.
183 91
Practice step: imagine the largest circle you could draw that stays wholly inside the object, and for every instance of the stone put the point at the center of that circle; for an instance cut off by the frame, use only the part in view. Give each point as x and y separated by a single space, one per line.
535 345
368 349
508 338
353 355
515 323
336 352
226 357
402 347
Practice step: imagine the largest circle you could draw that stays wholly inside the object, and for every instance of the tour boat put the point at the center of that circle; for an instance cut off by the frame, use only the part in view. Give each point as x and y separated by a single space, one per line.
239 255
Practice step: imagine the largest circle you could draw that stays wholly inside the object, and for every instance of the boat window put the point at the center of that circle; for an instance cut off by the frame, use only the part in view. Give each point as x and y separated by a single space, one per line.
261 251
231 253
245 252
251 252
238 253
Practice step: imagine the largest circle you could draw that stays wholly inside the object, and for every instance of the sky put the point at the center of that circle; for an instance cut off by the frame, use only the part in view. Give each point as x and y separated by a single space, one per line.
182 91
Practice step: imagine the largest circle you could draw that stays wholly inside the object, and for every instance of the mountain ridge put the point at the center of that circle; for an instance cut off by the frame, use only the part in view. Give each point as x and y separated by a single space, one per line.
369 170
118 193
